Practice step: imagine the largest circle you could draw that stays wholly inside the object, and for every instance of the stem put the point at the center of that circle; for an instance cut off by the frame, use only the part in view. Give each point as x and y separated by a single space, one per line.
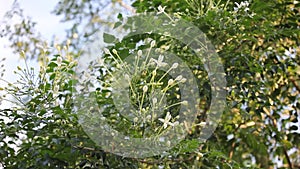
295 84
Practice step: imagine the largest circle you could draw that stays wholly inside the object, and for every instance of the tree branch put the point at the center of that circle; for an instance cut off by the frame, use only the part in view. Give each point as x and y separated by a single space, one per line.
131 9
295 84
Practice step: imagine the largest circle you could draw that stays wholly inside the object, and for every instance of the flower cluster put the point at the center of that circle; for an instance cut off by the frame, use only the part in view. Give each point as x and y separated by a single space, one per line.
149 83
243 5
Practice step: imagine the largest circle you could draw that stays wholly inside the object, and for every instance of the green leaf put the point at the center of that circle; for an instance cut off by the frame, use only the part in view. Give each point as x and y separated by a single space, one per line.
187 146
108 38
117 24
120 16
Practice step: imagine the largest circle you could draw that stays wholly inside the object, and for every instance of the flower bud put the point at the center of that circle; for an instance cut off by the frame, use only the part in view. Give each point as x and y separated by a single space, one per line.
106 51
178 78
175 65
139 53
183 80
114 51
154 100
154 72
127 77
170 82
59 60
145 88
184 103
152 44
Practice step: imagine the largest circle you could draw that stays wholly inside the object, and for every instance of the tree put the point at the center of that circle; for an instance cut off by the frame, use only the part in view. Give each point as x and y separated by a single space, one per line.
258 43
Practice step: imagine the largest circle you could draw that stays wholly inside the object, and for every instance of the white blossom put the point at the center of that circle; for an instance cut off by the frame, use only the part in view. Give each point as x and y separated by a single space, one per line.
166 120
159 61
100 61
243 4
161 9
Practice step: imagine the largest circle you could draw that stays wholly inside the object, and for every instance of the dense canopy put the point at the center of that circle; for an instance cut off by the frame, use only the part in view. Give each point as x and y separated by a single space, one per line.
257 42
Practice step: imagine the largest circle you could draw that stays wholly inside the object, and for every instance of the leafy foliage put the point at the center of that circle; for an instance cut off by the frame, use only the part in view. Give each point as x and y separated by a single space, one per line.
258 42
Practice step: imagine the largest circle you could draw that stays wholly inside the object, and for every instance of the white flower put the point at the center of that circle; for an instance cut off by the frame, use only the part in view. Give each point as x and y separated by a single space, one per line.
100 61
166 121
161 9
160 62
243 4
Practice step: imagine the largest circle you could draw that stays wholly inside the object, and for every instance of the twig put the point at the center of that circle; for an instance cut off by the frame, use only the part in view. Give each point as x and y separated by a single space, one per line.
295 84
287 158
162 161
131 9
284 149
233 143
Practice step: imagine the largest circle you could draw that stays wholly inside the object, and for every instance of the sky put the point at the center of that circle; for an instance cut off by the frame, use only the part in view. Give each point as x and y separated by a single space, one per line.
47 24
